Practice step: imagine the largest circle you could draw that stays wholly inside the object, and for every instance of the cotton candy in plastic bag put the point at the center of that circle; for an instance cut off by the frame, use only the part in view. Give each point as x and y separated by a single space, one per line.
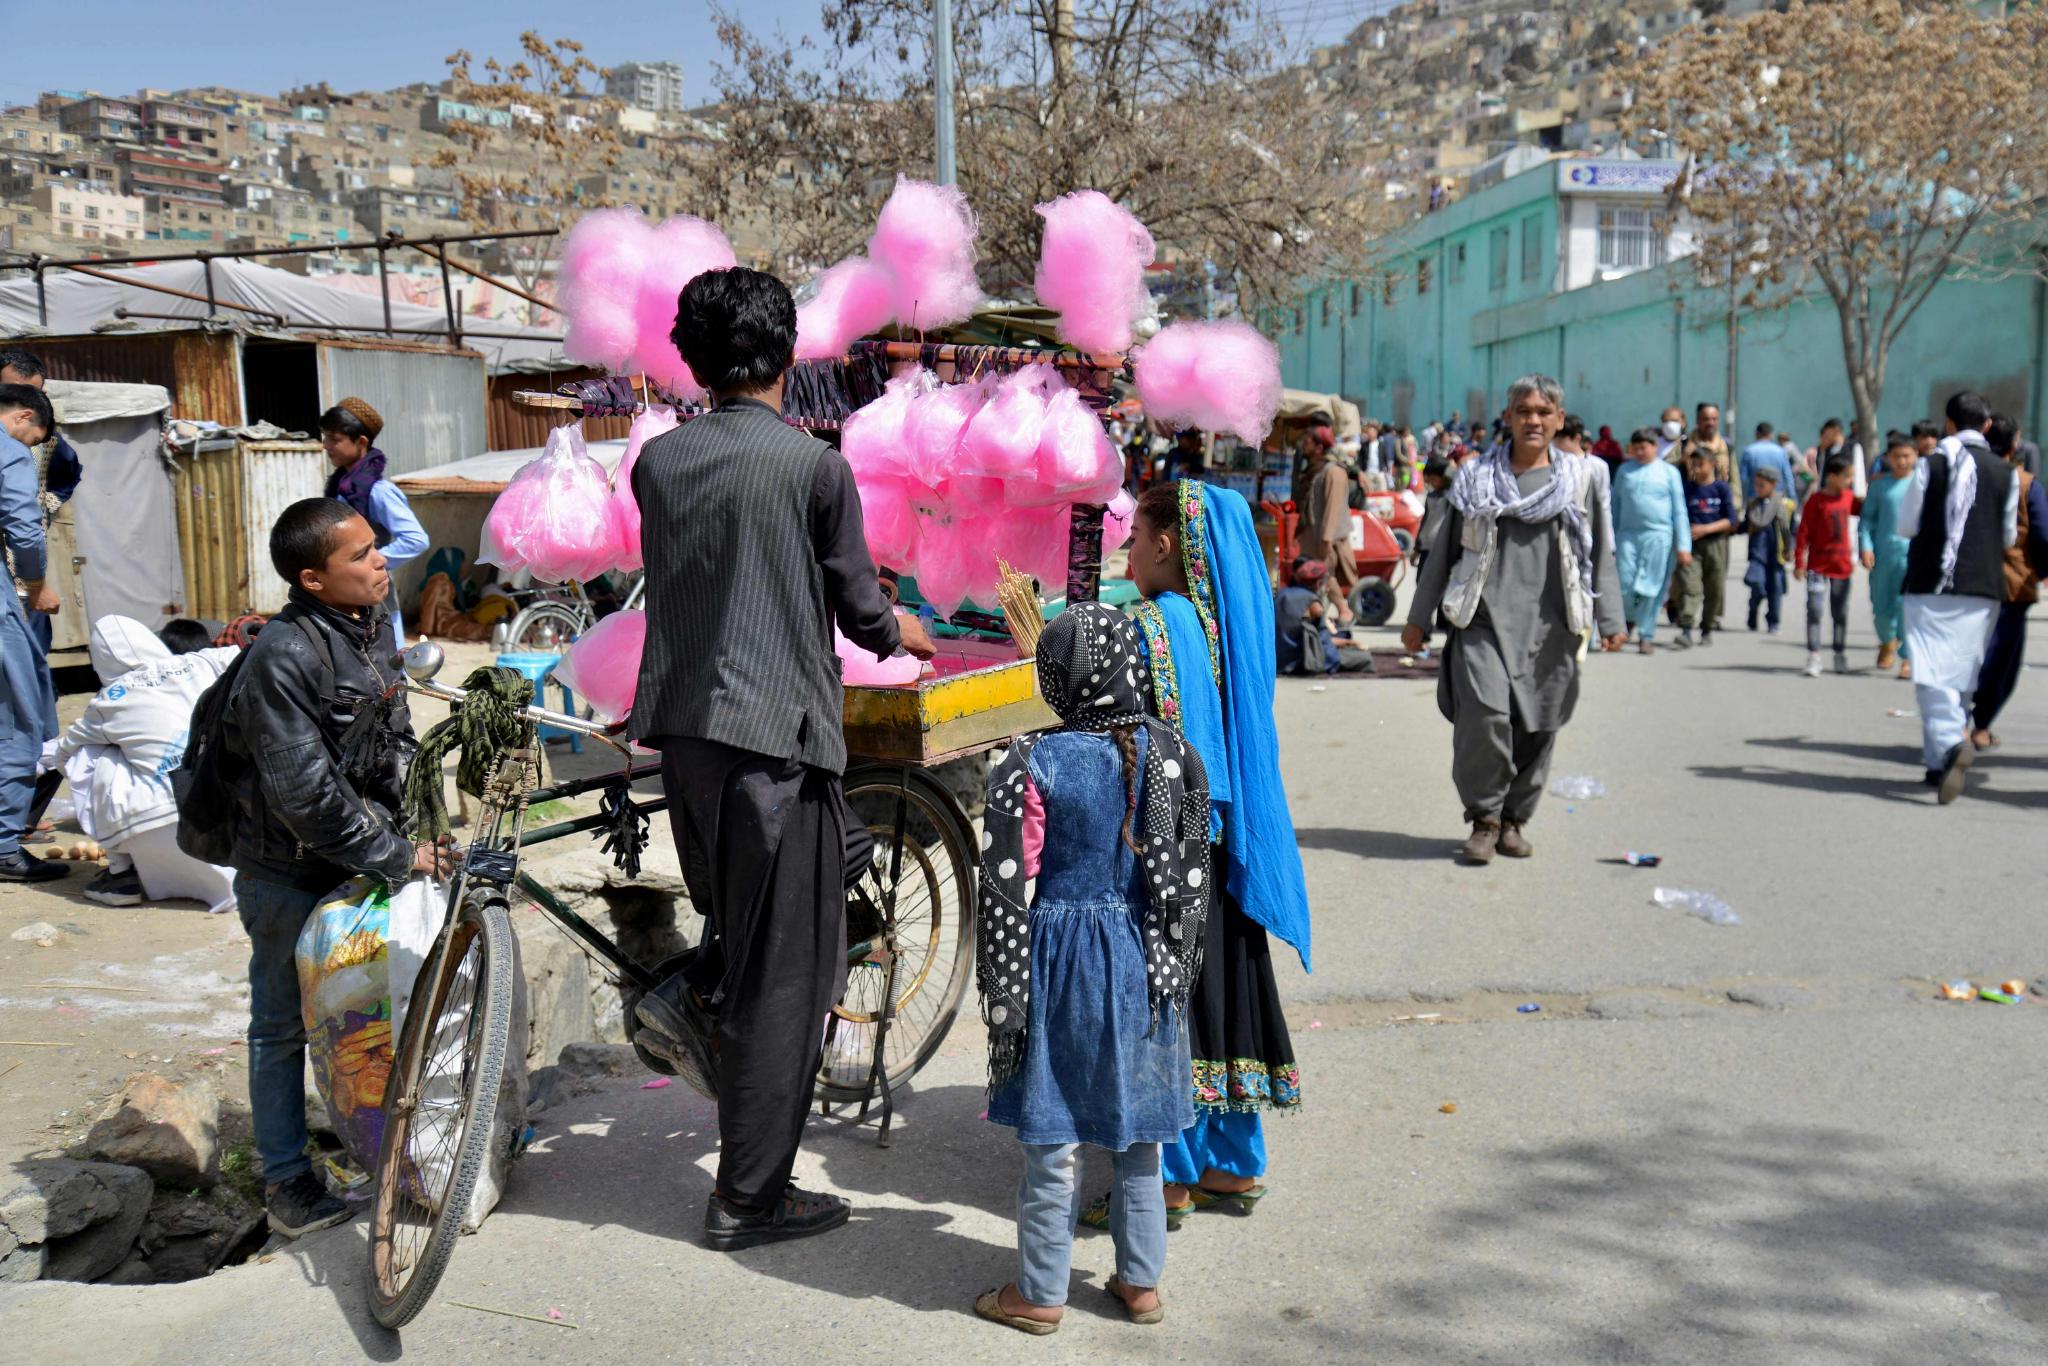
1074 456
888 522
561 526
510 511
1001 440
652 422
603 666
1117 520
860 668
944 567
933 429
873 439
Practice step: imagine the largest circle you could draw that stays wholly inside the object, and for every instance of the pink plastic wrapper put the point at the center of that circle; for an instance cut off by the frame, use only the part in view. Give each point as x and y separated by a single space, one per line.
873 439
925 236
1034 541
603 666
974 496
1074 456
679 251
856 296
651 422
555 518
602 261
933 429
1219 376
1002 439
1116 521
890 525
945 564
1091 268
860 667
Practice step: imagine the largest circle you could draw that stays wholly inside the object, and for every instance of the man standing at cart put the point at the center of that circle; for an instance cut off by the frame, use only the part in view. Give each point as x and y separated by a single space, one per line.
1522 566
755 551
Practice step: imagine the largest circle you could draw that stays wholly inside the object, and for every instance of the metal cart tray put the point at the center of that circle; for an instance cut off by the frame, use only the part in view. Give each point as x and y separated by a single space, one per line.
982 696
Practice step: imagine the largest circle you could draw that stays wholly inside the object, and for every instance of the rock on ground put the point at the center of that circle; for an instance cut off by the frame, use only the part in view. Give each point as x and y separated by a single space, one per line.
67 1220
169 1130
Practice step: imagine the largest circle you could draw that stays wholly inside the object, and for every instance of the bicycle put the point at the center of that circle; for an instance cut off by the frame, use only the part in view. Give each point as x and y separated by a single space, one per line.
556 617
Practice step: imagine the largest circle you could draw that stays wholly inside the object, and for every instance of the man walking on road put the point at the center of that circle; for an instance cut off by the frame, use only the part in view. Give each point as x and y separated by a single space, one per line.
1324 531
754 553
1960 512
1764 454
1522 567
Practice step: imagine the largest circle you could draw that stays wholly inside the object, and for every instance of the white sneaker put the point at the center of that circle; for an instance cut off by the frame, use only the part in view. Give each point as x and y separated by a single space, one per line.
1812 669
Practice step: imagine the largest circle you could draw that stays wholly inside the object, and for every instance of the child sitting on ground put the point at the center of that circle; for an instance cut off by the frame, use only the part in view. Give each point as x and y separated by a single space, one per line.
1084 984
1304 642
1824 554
1768 521
118 757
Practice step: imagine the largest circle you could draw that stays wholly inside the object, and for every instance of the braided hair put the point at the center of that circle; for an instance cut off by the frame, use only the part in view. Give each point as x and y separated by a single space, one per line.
1127 745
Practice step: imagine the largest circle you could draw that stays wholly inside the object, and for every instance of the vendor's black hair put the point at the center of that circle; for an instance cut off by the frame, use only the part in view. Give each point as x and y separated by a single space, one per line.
2002 435
342 422
27 364
736 329
27 396
304 536
1968 411
183 636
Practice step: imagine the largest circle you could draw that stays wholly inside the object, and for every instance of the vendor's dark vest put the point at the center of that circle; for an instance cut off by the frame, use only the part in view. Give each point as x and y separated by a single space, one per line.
1980 558
739 646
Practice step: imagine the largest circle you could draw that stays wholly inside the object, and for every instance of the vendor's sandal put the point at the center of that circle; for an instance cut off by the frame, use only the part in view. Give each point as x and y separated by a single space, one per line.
989 1304
1095 1214
1115 1289
1234 1202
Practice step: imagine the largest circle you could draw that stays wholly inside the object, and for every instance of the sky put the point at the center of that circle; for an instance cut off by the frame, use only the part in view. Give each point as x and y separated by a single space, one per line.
378 44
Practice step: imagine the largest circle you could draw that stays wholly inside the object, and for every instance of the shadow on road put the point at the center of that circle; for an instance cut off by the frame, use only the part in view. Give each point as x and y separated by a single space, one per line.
1907 752
1755 1243
1378 844
339 1259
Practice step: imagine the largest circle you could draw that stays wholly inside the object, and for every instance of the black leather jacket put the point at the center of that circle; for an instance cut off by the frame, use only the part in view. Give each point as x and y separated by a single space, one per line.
306 816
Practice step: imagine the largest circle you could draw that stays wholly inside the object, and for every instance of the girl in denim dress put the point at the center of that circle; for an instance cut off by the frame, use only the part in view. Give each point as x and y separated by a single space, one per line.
1084 984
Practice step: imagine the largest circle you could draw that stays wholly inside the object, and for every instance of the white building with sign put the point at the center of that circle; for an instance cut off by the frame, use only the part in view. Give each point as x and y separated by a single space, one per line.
1614 219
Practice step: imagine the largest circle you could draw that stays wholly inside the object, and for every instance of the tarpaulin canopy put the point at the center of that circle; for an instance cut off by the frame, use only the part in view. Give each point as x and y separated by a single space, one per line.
86 303
490 472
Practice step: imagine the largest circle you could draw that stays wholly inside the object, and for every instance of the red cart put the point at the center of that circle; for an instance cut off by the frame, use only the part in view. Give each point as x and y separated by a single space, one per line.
1377 549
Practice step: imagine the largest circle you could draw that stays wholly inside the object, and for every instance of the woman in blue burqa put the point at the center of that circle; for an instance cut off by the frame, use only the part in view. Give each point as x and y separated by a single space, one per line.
1208 627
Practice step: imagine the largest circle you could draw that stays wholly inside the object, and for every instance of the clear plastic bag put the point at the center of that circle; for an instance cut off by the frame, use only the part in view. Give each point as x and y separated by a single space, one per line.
652 422
556 517
1705 905
1577 788
603 666
1002 439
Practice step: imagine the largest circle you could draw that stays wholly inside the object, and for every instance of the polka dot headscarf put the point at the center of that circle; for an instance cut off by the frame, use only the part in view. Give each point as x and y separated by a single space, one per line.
1091 670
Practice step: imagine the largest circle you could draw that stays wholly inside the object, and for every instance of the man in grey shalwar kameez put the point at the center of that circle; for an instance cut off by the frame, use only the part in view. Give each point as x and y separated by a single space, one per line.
1521 568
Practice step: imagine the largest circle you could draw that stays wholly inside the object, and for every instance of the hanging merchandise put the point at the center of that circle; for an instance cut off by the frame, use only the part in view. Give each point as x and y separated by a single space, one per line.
1091 269
854 298
1002 439
599 284
555 518
603 666
651 422
1217 376
678 252
925 237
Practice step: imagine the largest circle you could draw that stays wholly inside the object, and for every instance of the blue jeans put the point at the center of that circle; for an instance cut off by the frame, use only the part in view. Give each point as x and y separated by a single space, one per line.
28 717
1049 1205
1232 1142
273 916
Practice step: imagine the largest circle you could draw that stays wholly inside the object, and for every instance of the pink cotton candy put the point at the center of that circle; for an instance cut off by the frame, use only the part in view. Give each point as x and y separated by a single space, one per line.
925 236
1002 439
651 422
1034 541
1219 376
974 496
1074 456
890 525
873 439
1116 522
933 429
945 564
603 666
678 252
855 297
1091 269
860 668
599 284
555 518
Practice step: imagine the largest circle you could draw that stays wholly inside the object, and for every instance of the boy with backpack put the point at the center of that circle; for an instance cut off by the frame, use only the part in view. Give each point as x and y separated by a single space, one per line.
293 778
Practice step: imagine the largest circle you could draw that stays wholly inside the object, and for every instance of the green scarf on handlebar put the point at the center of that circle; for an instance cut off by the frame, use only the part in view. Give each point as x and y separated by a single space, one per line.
486 724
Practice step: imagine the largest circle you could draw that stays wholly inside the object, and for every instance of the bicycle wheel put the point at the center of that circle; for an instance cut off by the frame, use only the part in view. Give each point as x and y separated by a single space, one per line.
439 1117
914 910
548 628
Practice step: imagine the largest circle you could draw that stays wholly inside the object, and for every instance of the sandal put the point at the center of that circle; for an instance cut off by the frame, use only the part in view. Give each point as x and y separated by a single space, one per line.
989 1304
1115 1289
1095 1214
1239 1203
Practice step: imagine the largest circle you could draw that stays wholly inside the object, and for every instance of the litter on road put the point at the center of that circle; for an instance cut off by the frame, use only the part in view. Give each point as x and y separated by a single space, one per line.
1578 788
1529 1009
1705 905
1636 860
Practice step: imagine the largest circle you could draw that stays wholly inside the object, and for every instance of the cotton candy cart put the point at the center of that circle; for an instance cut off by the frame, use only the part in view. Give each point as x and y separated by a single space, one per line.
1376 548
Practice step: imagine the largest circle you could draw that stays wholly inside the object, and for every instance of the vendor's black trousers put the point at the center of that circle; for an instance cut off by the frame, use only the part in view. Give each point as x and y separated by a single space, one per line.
762 842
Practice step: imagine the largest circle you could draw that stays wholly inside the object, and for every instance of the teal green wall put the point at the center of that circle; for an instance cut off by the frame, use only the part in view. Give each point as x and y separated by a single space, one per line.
1627 348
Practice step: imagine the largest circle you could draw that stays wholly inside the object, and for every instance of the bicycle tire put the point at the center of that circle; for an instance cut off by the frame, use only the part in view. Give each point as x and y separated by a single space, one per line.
398 1294
953 878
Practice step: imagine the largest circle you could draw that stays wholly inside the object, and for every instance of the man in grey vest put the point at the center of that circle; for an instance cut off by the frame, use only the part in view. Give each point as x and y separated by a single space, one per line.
1960 512
754 551
1522 566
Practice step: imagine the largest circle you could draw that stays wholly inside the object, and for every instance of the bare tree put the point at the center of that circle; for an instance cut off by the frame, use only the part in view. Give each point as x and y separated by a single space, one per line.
528 173
1871 147
1182 110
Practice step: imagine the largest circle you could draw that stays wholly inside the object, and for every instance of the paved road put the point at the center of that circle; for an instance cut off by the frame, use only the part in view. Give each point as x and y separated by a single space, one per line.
1758 1143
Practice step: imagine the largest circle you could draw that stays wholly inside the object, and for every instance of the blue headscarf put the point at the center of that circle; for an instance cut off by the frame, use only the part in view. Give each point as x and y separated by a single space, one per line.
1213 670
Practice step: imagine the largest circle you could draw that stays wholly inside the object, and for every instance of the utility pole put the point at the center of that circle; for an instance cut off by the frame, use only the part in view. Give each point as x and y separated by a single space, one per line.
942 73
1062 37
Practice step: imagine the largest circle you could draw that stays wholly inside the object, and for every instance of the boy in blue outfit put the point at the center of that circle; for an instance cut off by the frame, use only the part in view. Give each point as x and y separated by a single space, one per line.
1703 582
28 700
1768 522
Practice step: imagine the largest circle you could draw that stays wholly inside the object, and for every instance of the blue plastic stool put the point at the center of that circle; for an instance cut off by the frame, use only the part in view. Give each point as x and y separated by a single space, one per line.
538 667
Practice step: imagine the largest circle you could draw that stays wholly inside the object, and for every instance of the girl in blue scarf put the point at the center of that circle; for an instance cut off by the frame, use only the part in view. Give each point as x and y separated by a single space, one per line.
1208 630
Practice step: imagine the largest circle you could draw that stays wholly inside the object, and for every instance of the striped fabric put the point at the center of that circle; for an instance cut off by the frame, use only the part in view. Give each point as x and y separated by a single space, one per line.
739 646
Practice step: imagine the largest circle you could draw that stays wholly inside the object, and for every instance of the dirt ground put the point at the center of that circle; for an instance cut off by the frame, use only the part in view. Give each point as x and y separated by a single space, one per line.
160 987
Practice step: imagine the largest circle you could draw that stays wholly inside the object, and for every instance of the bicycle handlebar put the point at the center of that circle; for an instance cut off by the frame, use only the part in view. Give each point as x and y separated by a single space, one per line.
594 729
